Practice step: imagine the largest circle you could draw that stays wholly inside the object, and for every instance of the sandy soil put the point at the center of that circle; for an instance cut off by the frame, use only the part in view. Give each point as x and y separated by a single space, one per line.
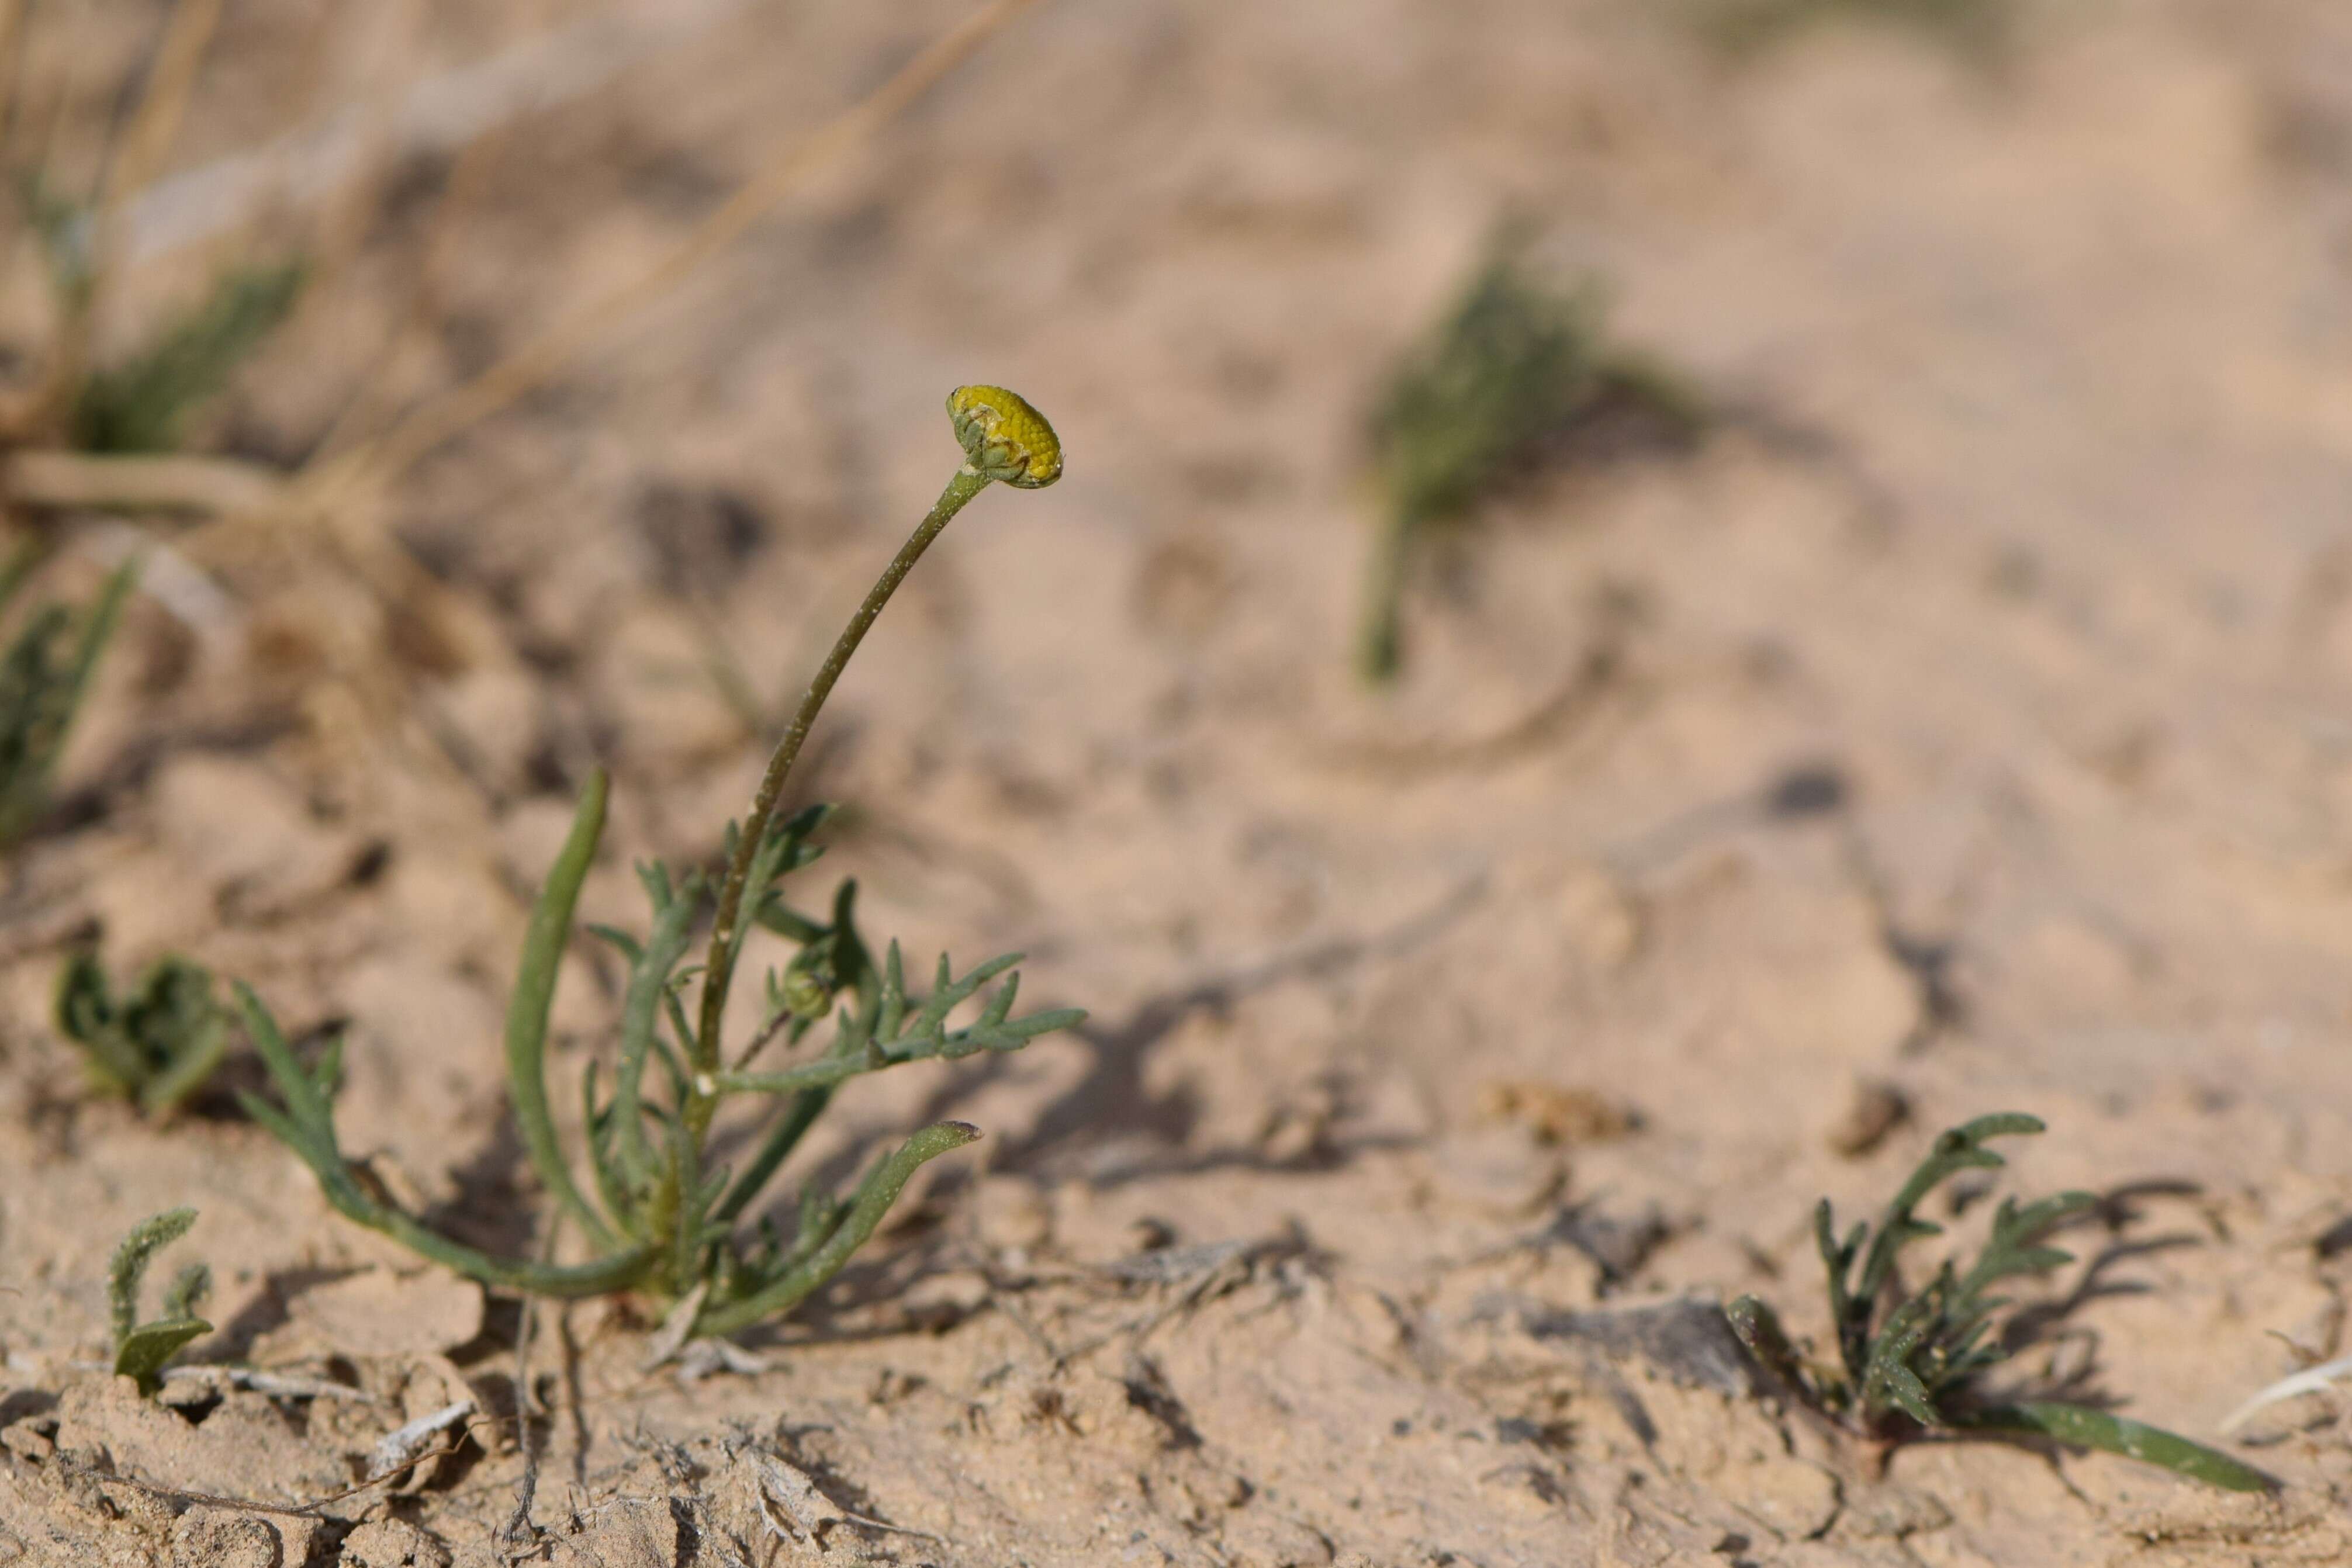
1970 722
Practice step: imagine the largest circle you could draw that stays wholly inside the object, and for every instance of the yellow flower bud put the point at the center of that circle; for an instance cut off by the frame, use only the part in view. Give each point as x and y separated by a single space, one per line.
1004 438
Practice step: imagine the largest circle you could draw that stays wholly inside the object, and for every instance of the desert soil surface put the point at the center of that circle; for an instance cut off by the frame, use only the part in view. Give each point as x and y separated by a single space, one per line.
1964 723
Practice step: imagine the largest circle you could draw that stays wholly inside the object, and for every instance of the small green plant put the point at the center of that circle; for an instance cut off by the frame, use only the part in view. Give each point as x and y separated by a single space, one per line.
141 1349
156 1043
665 1218
141 403
44 672
1515 368
1911 1360
1978 30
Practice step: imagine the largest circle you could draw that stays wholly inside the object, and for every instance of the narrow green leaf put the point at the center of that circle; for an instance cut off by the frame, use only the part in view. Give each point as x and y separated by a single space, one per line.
17 569
142 403
649 982
306 1107
2083 1427
534 996
775 1148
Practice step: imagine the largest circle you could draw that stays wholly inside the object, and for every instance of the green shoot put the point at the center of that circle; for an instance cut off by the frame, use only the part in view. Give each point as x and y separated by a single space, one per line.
141 1349
657 1214
142 403
158 1043
1912 1360
44 672
1515 369
1978 29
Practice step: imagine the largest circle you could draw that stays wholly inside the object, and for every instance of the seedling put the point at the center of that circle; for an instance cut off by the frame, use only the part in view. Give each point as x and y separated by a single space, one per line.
157 1044
1911 1361
665 1219
1516 370
141 1349
142 402
44 674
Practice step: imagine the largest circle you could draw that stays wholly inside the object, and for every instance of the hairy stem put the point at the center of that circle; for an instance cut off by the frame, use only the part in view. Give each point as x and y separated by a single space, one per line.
718 969
775 1149
615 1272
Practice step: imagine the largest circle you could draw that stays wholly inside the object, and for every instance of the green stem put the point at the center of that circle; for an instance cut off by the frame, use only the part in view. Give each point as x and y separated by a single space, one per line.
307 1126
775 1149
1378 637
617 1272
719 968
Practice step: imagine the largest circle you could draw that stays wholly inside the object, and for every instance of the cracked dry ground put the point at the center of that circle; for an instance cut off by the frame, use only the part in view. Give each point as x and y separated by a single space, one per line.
1967 716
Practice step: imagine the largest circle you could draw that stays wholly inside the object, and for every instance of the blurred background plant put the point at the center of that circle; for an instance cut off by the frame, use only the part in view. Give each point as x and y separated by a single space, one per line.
1980 30
155 1043
107 416
45 673
1519 377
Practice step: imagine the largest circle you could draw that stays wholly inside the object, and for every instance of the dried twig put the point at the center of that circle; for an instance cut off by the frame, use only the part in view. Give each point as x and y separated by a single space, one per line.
274 1384
297 1510
517 1537
140 482
402 1446
2310 1379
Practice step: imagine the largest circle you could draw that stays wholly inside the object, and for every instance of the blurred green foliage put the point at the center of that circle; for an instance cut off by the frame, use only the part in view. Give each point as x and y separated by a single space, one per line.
1503 385
156 1043
45 671
142 402
1977 29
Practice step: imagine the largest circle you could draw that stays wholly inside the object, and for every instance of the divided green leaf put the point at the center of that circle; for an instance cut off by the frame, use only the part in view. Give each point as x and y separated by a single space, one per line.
658 1213
156 1044
1917 1356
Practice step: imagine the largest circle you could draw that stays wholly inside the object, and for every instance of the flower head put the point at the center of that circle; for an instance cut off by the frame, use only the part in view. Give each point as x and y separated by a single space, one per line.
1004 438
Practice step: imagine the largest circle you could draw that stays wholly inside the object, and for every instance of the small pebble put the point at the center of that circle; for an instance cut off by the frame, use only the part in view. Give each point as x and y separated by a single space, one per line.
1876 1109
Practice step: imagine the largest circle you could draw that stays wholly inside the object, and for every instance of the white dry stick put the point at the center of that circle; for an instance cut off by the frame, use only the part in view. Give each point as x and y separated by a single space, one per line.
276 1384
410 1443
172 581
670 1338
710 1357
2310 1379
